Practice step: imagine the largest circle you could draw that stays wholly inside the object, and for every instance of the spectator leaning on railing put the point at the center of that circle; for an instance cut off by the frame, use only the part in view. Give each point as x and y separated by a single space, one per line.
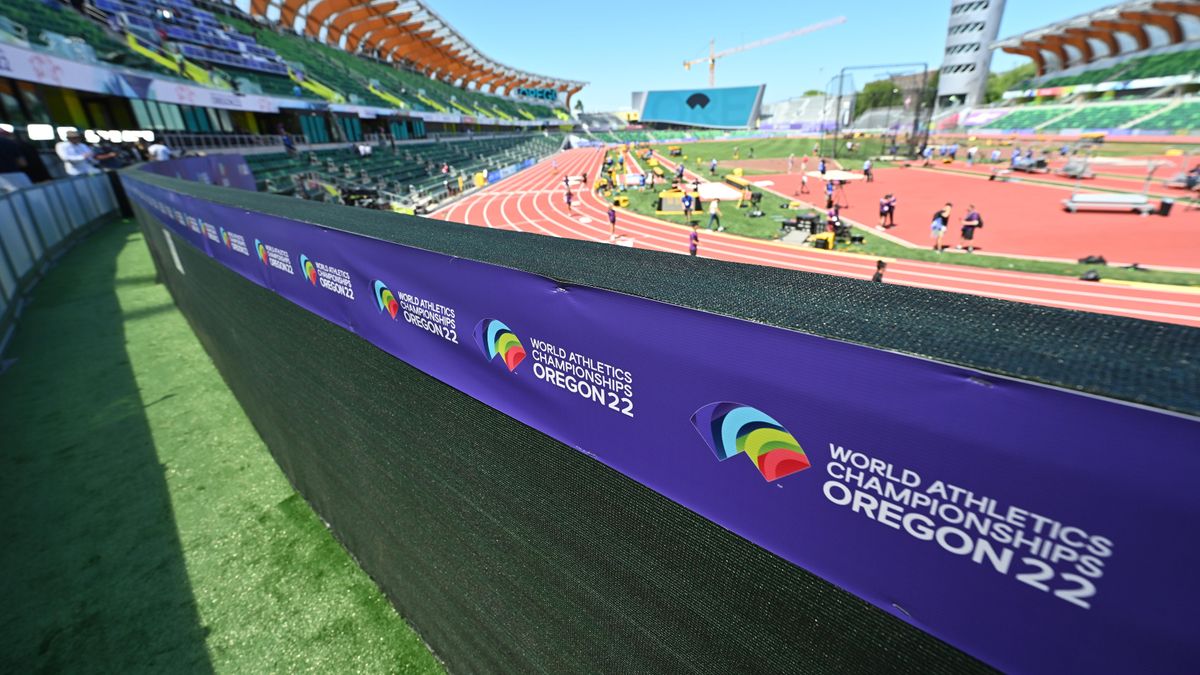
158 152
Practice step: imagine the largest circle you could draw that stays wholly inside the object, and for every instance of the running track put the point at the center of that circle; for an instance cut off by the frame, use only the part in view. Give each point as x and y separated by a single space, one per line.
532 201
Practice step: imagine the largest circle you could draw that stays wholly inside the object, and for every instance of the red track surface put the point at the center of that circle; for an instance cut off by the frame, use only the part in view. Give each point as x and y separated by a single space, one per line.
1023 219
1110 176
532 201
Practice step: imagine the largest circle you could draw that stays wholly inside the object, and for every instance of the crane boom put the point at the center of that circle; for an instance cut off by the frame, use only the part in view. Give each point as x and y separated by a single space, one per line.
714 55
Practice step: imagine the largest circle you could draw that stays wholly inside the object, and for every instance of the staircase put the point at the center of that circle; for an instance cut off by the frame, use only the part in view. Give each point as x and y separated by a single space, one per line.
394 100
316 87
178 65
431 103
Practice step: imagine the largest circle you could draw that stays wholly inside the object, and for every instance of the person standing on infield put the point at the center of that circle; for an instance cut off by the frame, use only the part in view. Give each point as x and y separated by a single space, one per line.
687 207
970 222
867 170
937 229
887 208
714 215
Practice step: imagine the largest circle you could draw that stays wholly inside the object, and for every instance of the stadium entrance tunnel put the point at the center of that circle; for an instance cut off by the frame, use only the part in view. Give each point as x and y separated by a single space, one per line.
389 364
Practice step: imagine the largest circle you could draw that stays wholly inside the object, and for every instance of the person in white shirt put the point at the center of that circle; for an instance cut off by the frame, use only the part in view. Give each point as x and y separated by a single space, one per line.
714 215
867 166
158 152
76 156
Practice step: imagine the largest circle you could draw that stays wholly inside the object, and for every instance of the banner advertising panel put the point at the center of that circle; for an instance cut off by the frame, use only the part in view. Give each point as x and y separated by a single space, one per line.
43 68
225 170
1038 529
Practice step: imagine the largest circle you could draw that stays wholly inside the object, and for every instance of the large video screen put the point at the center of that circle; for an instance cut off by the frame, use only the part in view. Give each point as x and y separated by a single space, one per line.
722 108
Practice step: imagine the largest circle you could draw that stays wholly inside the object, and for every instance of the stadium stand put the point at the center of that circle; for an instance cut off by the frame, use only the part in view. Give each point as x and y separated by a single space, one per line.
224 51
1183 116
1093 37
802 112
422 41
1158 65
1105 116
884 118
601 121
69 34
413 168
353 75
1027 118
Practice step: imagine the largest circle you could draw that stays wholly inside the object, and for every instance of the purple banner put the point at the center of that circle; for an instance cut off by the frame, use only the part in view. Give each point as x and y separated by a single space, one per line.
1038 529
226 170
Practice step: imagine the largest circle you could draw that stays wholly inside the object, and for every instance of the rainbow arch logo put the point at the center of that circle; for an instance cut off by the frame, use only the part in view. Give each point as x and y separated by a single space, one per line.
383 297
733 428
496 339
225 238
310 270
262 251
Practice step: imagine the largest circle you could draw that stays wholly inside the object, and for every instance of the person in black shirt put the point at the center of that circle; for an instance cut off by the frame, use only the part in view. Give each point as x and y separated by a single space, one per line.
12 160
17 155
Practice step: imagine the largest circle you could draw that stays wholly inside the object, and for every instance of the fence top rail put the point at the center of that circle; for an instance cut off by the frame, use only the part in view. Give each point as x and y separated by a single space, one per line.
45 184
1146 362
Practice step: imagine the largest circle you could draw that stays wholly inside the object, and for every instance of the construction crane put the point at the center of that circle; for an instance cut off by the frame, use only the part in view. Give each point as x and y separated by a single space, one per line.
713 55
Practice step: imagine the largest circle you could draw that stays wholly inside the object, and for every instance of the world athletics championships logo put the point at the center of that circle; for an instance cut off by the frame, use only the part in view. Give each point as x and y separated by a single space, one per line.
496 339
310 270
225 238
383 297
262 251
732 428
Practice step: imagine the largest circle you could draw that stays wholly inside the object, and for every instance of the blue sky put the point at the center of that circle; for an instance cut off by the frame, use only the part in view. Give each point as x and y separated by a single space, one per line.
624 47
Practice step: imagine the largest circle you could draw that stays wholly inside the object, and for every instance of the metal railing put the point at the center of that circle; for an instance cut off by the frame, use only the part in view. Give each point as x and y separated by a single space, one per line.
37 223
216 141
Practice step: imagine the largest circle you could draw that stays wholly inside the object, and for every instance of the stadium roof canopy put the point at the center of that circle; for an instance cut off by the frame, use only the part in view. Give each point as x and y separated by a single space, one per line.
408 31
1087 33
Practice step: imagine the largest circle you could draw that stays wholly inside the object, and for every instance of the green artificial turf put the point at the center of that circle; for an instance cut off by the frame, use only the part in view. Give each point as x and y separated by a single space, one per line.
735 220
145 526
774 148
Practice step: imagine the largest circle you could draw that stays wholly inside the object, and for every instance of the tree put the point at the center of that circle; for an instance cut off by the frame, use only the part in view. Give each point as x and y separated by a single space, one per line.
813 92
998 83
578 105
878 94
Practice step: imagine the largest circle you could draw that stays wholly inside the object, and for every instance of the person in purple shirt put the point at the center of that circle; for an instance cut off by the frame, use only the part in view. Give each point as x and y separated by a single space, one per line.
694 240
833 219
612 222
971 222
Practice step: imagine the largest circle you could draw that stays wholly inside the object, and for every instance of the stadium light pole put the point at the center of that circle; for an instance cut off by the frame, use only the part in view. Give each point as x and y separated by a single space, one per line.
891 104
825 106
837 129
